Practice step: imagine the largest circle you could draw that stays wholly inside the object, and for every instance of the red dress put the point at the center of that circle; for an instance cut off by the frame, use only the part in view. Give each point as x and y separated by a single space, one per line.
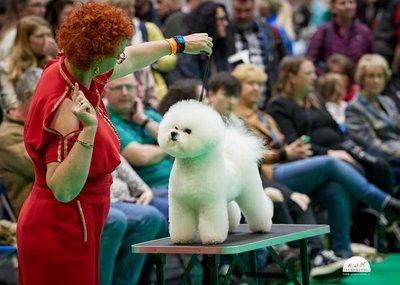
58 243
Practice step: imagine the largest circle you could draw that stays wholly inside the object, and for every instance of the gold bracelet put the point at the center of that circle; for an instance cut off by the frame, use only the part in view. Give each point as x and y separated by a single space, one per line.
84 144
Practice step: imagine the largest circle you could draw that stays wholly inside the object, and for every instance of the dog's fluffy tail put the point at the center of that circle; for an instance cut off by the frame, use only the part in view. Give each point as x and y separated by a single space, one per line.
241 139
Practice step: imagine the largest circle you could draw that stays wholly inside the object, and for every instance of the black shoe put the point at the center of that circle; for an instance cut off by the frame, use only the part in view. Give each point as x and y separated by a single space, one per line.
326 265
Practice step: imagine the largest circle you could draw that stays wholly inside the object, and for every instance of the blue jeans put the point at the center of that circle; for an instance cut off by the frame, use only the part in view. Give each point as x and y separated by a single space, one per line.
161 204
309 174
333 182
127 224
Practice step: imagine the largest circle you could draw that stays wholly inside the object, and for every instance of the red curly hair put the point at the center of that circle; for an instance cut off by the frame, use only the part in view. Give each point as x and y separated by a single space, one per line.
92 31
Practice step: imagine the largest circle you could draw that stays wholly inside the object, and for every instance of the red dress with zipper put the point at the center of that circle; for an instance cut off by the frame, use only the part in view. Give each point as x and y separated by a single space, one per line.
58 243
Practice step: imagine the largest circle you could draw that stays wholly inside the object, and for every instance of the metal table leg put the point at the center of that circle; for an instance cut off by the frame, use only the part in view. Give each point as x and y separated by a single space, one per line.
212 262
305 262
253 265
159 262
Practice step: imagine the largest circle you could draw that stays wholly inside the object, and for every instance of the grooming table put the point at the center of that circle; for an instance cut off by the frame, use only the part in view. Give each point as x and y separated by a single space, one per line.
240 241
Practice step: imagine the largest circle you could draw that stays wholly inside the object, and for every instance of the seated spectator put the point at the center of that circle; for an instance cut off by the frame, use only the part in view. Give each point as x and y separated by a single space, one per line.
16 168
329 181
331 88
298 111
57 11
392 90
152 82
34 46
372 119
171 17
280 14
210 18
343 35
261 41
133 218
182 89
17 9
138 130
341 64
223 95
145 12
289 207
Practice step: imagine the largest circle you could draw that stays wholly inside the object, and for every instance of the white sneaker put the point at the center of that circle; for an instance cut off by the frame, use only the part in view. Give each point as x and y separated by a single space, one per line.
326 265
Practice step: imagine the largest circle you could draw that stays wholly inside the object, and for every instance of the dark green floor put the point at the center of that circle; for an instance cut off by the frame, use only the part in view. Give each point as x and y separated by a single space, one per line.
384 273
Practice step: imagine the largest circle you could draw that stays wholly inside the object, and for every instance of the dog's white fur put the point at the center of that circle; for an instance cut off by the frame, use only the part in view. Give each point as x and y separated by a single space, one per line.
213 166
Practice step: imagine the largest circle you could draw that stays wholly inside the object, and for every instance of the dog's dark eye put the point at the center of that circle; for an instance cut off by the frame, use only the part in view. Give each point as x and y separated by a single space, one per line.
188 131
176 128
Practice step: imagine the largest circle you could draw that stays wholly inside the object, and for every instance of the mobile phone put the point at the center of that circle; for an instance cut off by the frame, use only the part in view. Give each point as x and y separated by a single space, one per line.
305 139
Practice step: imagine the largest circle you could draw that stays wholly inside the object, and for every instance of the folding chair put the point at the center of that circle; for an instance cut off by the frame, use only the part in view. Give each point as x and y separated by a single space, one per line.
8 250
5 202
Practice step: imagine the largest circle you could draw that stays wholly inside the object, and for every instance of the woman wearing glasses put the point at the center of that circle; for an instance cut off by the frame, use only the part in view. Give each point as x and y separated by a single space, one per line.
74 146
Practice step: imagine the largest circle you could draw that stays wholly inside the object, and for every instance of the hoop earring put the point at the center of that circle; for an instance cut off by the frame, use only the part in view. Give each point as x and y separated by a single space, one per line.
96 70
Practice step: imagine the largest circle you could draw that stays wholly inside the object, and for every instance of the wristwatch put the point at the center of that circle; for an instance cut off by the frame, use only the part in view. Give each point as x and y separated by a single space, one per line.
181 43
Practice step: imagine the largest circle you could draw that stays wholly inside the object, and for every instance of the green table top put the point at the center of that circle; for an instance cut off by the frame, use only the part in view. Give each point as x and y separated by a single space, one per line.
242 240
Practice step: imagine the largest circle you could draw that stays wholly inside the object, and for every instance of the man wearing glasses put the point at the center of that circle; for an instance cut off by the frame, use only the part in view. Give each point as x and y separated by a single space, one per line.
138 130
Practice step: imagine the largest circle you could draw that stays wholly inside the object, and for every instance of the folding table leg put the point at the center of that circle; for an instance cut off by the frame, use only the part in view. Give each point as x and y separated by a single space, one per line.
253 264
280 262
305 262
159 262
212 262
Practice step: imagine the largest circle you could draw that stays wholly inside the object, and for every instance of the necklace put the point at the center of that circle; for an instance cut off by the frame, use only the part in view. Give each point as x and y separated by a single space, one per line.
108 122
98 110
72 86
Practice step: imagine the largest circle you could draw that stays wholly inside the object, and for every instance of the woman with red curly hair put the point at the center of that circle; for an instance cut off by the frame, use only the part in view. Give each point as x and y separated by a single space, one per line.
74 146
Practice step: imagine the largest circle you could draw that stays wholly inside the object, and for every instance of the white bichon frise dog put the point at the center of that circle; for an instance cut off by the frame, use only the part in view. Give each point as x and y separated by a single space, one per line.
213 166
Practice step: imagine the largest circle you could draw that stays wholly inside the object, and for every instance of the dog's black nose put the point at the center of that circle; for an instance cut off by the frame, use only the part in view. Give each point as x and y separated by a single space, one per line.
174 135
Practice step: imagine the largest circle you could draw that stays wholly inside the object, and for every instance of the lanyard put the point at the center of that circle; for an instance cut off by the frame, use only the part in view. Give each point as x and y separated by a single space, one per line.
274 136
205 76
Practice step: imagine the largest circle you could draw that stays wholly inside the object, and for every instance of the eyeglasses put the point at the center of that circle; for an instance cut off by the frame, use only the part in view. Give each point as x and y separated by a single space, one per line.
119 88
121 58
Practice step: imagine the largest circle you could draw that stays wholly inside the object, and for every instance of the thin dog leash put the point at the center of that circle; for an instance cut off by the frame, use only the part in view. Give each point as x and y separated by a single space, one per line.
205 76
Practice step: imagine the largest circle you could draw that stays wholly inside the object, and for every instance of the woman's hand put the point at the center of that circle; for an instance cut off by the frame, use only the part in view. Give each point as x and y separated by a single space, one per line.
342 155
198 43
82 108
138 115
145 198
298 150
300 199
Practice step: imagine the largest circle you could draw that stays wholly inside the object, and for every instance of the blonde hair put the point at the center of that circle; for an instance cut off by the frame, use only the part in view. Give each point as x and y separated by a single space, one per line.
285 19
284 13
22 57
371 60
246 72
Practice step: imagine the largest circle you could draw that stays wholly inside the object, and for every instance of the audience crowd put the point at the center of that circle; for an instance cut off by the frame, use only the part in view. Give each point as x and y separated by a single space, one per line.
314 79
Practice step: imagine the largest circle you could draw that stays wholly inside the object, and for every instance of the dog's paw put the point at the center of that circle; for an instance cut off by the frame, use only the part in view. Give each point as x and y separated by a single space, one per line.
259 231
179 241
213 240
